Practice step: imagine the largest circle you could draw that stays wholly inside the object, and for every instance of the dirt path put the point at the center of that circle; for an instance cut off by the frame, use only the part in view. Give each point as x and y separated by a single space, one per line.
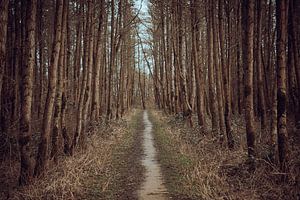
153 185
123 172
119 164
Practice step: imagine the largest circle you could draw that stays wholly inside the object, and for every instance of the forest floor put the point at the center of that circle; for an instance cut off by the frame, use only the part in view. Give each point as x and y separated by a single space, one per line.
194 166
110 167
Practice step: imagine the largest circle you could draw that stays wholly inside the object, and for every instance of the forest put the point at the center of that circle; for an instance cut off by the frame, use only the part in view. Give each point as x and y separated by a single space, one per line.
219 80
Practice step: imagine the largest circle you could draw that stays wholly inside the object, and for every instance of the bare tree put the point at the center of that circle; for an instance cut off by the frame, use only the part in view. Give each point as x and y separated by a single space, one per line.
25 135
281 23
248 31
43 151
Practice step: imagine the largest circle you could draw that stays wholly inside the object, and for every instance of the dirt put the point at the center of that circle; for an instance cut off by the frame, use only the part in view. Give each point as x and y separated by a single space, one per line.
153 186
123 174
130 169
136 170
172 161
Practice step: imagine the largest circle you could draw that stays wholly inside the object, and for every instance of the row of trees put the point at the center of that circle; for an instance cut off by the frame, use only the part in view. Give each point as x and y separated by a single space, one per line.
63 64
224 58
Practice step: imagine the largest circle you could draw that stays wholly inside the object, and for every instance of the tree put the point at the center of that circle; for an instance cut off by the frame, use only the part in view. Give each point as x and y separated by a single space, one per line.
89 54
3 33
211 77
57 117
248 31
218 77
43 150
225 73
261 94
111 60
281 43
198 69
50 73
25 135
97 67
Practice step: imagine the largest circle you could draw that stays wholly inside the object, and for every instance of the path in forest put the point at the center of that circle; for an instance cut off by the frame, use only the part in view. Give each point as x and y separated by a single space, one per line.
153 186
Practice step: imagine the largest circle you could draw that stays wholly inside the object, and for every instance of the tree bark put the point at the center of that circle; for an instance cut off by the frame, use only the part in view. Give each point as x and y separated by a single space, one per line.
195 20
111 60
43 150
3 35
211 77
218 78
261 100
248 31
281 43
96 95
59 91
226 87
26 171
87 92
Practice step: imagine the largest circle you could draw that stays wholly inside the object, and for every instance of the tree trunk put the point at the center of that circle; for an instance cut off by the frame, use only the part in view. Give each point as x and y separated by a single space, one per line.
3 34
25 135
111 60
84 80
261 100
43 150
218 78
60 83
281 23
248 31
226 87
96 95
87 94
211 77
197 67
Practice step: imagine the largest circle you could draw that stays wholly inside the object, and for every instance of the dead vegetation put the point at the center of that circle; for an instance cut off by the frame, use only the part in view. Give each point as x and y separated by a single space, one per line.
74 176
204 170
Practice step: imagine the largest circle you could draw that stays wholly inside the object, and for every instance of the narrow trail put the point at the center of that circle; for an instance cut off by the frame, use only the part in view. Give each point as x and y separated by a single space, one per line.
153 186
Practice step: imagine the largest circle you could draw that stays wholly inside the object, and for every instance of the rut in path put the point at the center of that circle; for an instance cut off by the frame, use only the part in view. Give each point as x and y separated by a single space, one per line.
153 186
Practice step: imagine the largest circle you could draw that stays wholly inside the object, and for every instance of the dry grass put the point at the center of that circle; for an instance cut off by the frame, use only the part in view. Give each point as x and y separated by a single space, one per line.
68 179
215 172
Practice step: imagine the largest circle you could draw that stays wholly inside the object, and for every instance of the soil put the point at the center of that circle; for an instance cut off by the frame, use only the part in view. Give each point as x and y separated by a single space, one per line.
153 186
137 172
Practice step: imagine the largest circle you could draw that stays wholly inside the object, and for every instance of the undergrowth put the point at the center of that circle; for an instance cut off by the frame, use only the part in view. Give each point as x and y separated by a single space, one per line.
195 166
89 174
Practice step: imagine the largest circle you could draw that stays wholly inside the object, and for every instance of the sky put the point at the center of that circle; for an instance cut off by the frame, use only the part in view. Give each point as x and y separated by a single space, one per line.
143 5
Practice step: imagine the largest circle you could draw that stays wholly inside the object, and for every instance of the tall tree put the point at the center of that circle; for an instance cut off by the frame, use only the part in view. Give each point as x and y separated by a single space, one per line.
26 171
59 90
218 77
225 73
3 35
211 77
281 43
97 67
198 69
248 32
90 49
84 80
111 60
261 94
43 150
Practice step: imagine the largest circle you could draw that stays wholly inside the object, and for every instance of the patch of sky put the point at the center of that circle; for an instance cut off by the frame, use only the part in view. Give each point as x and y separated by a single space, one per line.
144 38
